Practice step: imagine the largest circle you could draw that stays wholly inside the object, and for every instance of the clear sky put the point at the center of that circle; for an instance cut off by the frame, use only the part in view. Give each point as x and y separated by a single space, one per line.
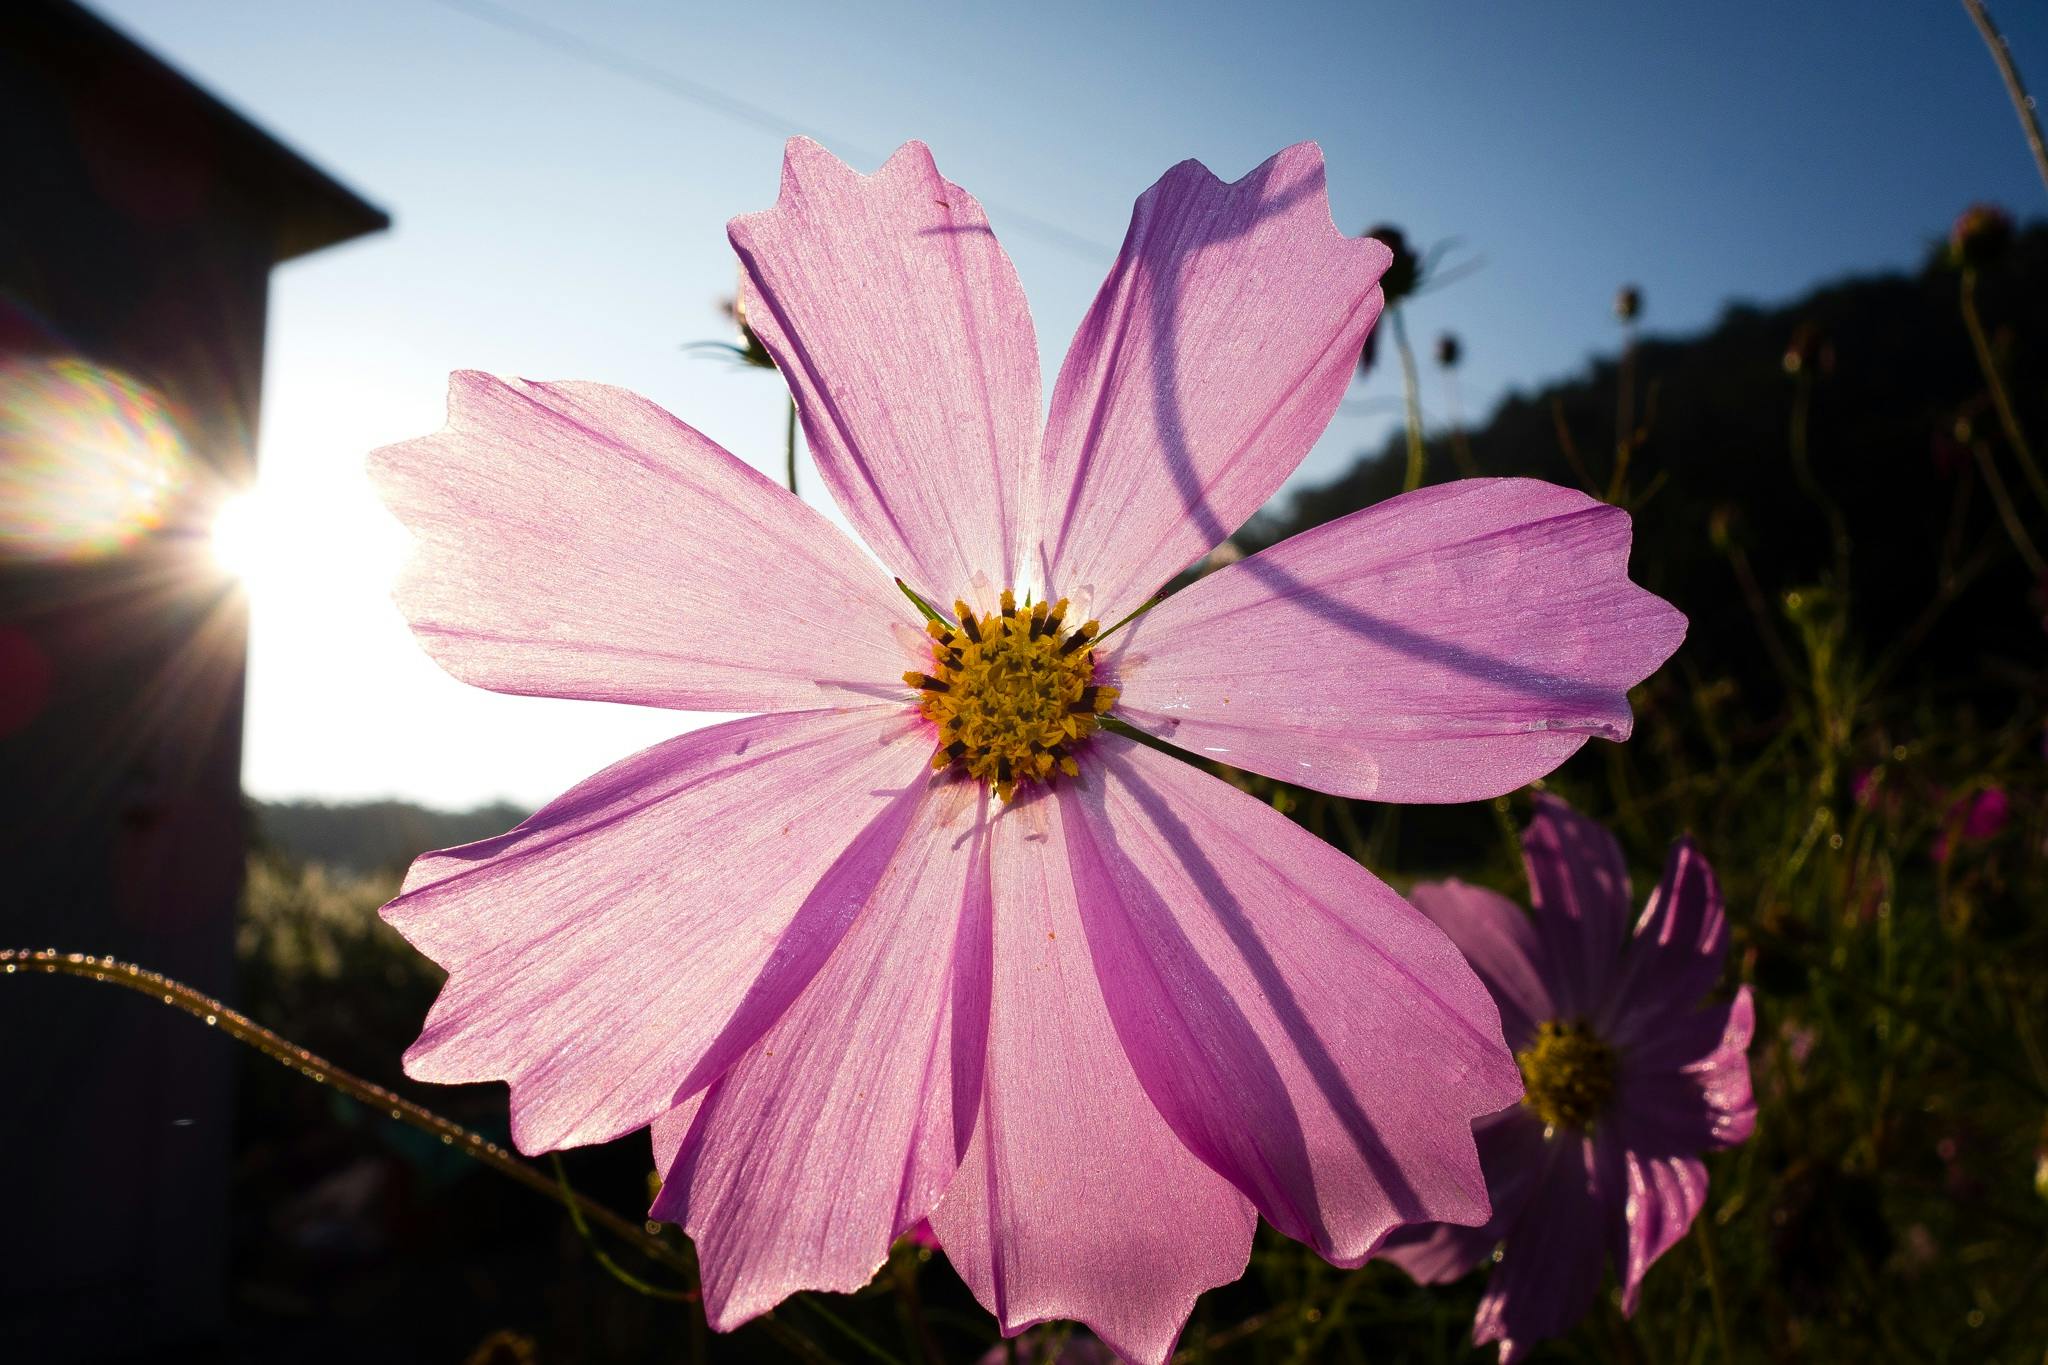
557 219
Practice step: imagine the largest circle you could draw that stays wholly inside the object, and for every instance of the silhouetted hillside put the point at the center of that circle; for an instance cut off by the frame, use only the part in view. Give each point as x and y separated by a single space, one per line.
372 836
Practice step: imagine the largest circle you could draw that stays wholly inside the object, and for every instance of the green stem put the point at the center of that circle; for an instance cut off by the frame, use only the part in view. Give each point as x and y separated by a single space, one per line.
1411 390
1624 416
2008 515
1570 447
1802 470
2022 103
917 1333
1104 635
924 608
848 1330
1988 363
1461 444
611 1267
1933 1027
319 1070
1706 1241
789 447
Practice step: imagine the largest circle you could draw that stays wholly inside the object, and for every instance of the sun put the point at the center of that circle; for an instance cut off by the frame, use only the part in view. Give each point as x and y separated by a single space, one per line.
237 536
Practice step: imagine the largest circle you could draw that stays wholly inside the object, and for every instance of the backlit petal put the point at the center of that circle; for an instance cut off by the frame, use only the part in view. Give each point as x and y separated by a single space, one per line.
1304 1030
1578 880
1550 1268
1075 1199
1514 1155
901 327
842 1125
621 948
1450 644
1677 951
1209 364
1686 1088
1498 938
575 540
1665 1194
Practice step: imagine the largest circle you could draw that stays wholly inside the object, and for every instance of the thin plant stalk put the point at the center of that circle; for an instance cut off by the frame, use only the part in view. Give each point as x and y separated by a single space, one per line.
1570 447
2015 89
1624 415
2008 417
1461 444
789 447
1411 389
2001 498
1706 1240
917 1332
1802 470
610 1267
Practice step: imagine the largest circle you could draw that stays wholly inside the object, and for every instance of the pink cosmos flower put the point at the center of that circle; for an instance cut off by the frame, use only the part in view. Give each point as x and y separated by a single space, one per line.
1628 1078
926 938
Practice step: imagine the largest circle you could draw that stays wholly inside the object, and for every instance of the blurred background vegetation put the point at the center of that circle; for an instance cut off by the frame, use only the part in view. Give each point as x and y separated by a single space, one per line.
1853 731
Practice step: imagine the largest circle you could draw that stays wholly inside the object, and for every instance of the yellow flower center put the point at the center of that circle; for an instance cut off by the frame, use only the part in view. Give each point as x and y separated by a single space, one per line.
1568 1074
1014 695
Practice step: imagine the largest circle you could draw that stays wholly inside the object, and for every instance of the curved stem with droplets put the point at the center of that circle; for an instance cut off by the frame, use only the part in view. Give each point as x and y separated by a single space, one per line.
2015 89
243 1029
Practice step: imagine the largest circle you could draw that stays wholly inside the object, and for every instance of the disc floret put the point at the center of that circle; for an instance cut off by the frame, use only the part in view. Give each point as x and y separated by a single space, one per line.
1014 694
1567 1074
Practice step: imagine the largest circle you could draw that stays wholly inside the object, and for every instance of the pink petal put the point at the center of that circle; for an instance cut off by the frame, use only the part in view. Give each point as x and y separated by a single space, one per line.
1304 1030
1075 1199
905 337
1498 938
1578 880
1209 364
1514 1155
620 949
575 540
1450 644
842 1125
1680 944
1550 1269
667 1133
1664 1195
1686 1087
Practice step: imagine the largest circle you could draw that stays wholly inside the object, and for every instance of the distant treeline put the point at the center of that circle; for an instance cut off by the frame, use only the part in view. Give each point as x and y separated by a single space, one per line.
370 836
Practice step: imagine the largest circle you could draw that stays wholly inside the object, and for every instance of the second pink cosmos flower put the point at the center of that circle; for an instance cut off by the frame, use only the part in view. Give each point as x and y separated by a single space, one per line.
1091 1029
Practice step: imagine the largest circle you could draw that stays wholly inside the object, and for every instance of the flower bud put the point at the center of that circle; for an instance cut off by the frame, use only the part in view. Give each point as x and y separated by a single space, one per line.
1448 351
1369 351
1809 351
1628 303
751 351
1980 236
1405 272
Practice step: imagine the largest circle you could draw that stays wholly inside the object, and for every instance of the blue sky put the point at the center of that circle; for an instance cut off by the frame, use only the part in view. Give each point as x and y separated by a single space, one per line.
556 219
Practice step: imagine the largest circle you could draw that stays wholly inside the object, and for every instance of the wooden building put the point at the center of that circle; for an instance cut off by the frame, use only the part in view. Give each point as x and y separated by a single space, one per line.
139 222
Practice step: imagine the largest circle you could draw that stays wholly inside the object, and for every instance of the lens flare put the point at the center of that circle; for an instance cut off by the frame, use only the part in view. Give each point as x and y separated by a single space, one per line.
90 460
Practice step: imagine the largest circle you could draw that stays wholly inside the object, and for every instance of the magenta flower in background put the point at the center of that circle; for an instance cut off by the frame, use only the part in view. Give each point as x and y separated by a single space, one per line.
1628 1077
926 938
1970 819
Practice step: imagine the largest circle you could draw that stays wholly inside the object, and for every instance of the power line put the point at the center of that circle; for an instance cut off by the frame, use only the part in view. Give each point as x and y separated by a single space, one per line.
752 115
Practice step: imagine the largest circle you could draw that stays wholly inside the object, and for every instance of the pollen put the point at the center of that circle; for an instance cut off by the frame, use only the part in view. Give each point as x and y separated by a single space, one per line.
1567 1074
1013 695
